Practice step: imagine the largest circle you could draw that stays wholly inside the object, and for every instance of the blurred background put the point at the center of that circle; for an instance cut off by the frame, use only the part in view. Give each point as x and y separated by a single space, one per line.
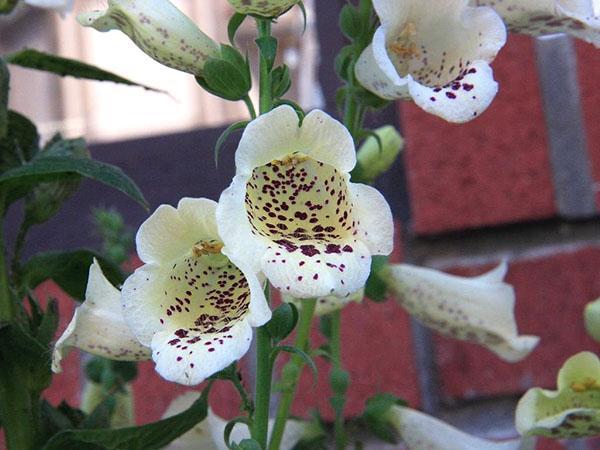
520 183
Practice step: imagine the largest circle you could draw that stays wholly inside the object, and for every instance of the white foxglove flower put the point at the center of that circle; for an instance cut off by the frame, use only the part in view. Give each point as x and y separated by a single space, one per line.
591 318
478 309
209 434
159 29
61 6
580 18
420 431
572 411
264 8
189 303
292 212
436 53
98 326
329 304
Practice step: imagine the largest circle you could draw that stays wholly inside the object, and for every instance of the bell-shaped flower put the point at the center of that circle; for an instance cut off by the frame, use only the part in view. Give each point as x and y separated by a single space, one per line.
435 53
572 411
478 309
61 6
420 431
292 213
579 18
591 318
98 326
189 303
209 434
263 8
159 29
328 304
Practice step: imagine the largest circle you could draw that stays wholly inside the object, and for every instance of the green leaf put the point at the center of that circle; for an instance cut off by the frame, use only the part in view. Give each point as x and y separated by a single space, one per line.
35 59
304 15
375 415
234 24
350 22
47 329
21 143
101 415
247 444
325 326
227 76
281 81
53 168
230 129
339 380
4 90
283 321
294 105
7 6
296 351
148 437
268 49
69 270
376 289
229 428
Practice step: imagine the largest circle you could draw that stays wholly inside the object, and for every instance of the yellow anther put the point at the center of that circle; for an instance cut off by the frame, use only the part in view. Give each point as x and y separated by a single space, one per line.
404 46
207 248
585 385
578 387
291 160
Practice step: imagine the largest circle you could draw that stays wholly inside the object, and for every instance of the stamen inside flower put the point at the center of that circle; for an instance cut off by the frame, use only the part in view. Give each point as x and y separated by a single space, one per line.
298 202
588 384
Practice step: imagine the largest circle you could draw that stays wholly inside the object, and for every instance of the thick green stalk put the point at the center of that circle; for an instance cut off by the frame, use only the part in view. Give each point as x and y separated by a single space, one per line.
7 309
265 99
336 361
293 369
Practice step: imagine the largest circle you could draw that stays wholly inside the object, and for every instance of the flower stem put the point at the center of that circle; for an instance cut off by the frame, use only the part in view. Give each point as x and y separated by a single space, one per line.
250 107
7 310
262 392
336 360
292 371
265 100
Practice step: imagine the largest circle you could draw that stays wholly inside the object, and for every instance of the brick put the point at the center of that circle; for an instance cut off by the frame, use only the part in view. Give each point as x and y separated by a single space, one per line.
552 291
589 71
493 170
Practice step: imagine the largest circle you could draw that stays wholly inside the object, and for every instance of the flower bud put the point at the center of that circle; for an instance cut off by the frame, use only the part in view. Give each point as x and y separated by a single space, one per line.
592 319
159 29
264 8
373 160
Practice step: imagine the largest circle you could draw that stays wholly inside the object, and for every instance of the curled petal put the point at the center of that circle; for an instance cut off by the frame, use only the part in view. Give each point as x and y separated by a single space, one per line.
479 309
98 326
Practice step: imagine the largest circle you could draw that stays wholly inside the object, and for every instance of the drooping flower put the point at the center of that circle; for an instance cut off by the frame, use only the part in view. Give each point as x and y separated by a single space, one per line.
264 8
98 326
159 29
327 305
61 6
592 319
420 431
579 18
374 158
478 309
209 434
189 303
435 53
292 213
572 411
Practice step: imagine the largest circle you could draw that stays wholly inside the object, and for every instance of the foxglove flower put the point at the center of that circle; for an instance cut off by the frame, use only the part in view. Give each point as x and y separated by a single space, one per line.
209 434
264 8
292 213
189 303
435 53
580 18
572 411
98 326
159 29
479 309
61 6
592 319
329 304
422 432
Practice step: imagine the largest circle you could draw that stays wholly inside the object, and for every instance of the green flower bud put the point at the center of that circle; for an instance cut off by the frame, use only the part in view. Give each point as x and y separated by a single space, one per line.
592 319
264 8
123 414
159 29
374 160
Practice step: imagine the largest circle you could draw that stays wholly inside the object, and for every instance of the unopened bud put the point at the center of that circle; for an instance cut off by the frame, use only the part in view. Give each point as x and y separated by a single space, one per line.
592 319
374 160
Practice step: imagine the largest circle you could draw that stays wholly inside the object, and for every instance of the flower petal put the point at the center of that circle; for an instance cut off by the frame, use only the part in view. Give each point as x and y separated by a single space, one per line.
62 6
189 358
479 309
420 431
375 223
201 436
277 134
98 326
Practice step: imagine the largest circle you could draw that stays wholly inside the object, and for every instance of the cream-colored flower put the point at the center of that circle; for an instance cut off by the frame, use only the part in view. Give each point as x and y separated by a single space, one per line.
159 29
422 432
478 309
189 303
264 8
579 18
572 411
327 305
209 434
292 212
98 326
436 53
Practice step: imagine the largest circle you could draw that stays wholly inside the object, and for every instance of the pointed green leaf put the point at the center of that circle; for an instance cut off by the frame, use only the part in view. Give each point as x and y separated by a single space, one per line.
296 351
230 129
268 49
234 24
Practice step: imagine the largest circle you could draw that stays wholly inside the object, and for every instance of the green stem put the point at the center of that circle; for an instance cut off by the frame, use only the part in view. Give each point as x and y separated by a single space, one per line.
293 369
265 100
262 392
336 361
246 402
7 309
20 243
250 107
